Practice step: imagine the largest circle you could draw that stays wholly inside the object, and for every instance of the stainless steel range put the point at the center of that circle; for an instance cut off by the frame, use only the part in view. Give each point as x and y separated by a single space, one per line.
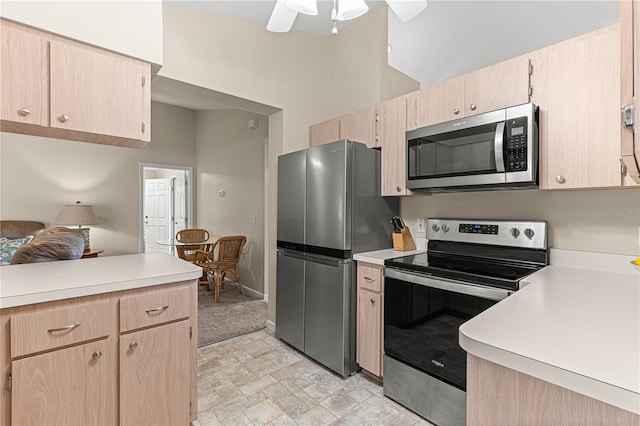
470 265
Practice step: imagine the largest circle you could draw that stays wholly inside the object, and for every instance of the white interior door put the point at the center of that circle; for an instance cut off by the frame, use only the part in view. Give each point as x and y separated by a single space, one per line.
179 202
157 215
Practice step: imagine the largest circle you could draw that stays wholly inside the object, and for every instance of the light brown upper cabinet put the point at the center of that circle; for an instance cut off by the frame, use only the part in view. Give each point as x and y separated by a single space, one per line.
55 87
325 132
392 127
630 79
576 84
21 78
361 126
497 86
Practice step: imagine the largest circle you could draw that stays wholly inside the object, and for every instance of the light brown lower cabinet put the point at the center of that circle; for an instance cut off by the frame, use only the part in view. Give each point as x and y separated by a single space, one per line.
125 358
369 347
497 395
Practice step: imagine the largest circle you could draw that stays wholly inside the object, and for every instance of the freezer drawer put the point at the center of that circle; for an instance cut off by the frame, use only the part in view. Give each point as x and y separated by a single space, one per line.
329 320
290 287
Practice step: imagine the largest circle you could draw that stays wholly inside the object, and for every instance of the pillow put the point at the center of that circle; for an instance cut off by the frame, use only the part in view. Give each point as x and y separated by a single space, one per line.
57 243
8 248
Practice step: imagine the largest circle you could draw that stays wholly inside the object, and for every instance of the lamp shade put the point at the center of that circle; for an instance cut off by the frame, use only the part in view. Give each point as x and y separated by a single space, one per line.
308 7
77 214
351 9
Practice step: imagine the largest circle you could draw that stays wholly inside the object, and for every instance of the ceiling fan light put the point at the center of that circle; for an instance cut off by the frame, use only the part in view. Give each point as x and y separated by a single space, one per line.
282 18
351 9
308 7
407 9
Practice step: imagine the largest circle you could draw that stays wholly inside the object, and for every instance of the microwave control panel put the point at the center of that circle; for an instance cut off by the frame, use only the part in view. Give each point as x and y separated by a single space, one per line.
516 145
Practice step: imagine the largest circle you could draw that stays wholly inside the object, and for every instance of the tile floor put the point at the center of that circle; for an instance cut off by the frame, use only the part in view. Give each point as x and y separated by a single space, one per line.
256 379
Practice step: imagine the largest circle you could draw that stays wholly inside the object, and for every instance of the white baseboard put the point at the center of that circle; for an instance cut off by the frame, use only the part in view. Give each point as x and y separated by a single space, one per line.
251 291
271 326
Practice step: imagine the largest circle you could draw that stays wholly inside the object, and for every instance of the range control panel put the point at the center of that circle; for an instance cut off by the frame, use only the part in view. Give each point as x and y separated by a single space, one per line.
527 234
474 228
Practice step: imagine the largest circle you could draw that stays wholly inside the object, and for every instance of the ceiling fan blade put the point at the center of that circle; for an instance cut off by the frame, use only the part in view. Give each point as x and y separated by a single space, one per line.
407 9
282 17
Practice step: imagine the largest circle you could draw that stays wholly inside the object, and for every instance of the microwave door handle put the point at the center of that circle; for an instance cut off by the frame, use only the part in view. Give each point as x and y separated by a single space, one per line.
498 142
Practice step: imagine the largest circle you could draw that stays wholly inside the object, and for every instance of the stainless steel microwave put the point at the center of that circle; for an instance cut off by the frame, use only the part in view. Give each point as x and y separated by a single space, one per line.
489 151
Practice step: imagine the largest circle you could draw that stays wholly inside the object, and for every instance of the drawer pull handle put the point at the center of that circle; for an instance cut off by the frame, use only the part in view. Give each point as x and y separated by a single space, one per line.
66 328
96 355
160 309
373 301
24 111
369 279
133 345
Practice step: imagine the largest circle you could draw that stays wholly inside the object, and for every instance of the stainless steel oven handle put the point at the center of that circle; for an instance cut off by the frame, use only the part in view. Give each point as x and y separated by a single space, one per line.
448 285
498 146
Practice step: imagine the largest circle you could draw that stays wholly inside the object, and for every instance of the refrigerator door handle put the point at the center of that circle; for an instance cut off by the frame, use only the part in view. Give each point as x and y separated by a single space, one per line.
294 254
324 261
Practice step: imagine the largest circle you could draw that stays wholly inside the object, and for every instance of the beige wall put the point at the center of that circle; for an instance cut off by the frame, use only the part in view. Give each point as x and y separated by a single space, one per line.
231 157
602 221
133 28
39 176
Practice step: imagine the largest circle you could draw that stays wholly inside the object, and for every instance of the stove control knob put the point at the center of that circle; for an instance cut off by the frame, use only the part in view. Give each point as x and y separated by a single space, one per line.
514 232
435 227
529 233
445 228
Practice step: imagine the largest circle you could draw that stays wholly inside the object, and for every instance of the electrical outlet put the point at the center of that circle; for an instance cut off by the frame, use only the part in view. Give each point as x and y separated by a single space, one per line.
420 225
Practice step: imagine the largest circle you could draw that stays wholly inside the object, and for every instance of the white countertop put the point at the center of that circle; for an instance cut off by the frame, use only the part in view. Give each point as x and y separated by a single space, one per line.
379 256
576 327
44 282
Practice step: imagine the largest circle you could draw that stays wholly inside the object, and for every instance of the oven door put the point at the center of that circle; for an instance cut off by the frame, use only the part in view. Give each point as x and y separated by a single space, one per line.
422 315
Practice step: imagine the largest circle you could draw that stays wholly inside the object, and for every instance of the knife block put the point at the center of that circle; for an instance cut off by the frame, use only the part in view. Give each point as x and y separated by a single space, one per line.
403 241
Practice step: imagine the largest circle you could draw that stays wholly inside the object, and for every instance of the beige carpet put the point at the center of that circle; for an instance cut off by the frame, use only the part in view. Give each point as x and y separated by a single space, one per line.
233 316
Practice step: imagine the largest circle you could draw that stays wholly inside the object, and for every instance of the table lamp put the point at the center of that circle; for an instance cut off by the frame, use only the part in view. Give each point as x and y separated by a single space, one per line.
79 214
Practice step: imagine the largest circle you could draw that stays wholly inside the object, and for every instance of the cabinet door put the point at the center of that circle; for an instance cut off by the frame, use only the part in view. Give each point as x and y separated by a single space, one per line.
325 132
369 353
576 84
498 86
21 83
97 92
630 79
439 102
393 116
360 126
73 386
154 376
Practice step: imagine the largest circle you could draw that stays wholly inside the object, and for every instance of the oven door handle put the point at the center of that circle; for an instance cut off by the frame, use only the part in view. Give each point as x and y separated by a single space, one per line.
498 146
489 293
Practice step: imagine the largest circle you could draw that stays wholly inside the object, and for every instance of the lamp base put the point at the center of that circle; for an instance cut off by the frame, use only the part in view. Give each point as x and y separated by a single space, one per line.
85 235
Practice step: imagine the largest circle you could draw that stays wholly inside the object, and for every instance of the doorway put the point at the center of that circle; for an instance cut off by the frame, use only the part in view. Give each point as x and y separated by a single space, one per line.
166 205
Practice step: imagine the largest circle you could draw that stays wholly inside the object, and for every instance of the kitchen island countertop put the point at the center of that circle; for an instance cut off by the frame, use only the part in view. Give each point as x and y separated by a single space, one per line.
44 282
576 324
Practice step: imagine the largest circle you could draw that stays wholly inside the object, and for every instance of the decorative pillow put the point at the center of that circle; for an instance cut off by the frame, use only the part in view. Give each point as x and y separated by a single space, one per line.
8 248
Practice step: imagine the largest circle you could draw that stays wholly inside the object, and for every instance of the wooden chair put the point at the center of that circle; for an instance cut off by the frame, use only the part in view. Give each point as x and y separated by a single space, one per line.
193 235
222 261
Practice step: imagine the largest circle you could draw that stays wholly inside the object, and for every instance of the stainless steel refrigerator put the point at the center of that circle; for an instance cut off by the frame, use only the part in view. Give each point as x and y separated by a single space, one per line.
329 207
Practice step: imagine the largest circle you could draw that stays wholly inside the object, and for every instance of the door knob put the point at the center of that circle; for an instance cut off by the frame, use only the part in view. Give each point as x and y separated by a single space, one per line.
63 118
472 107
96 355
133 345
456 111
560 179
24 111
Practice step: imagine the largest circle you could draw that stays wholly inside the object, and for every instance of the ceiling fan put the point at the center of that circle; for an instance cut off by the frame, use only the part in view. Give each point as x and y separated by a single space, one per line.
285 11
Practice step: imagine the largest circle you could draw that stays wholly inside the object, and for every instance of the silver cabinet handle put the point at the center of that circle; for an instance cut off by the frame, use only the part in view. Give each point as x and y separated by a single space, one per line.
63 118
133 345
373 301
369 279
96 355
65 328
24 111
456 111
398 189
472 107
160 309
560 179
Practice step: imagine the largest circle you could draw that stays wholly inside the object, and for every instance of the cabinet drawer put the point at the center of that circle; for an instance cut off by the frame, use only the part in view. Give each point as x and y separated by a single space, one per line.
52 328
370 276
154 307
